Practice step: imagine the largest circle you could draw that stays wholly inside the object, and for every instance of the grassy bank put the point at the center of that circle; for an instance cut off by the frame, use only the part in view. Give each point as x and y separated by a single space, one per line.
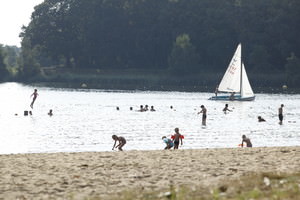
133 79
269 186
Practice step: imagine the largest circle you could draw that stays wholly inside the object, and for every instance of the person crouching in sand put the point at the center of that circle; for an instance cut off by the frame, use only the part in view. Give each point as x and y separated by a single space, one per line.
121 141
168 142
176 138
247 141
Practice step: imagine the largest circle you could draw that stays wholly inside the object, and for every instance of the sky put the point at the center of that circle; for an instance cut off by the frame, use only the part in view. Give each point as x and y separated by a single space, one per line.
13 15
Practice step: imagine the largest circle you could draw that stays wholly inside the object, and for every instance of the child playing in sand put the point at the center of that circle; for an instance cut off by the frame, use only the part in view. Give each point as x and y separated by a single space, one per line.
176 138
34 94
121 140
168 142
247 141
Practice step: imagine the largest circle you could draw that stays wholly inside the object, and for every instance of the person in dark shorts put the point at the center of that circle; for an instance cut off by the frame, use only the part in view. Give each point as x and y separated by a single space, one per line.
177 137
280 114
121 141
247 141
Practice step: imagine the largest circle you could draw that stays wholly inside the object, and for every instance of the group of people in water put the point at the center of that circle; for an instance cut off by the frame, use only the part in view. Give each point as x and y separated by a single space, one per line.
175 139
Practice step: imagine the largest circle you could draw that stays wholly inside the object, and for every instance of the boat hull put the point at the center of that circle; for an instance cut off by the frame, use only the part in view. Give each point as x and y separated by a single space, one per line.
227 98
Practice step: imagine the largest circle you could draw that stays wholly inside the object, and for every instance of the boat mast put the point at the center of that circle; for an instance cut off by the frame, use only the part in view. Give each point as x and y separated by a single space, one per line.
241 76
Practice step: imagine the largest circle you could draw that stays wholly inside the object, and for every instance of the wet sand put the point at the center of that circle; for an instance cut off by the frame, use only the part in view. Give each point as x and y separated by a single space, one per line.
101 174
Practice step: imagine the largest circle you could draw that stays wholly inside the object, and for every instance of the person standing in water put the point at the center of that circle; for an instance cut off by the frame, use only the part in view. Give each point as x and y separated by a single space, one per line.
203 111
226 109
34 94
280 114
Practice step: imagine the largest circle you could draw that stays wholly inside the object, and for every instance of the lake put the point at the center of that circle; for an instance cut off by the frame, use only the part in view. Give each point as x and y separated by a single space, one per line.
85 120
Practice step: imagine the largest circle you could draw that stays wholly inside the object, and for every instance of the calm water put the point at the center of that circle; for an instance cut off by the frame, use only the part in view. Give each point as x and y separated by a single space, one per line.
84 120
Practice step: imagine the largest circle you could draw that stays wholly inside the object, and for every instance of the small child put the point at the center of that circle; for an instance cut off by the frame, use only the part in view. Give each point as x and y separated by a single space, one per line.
168 142
176 138
247 141
121 140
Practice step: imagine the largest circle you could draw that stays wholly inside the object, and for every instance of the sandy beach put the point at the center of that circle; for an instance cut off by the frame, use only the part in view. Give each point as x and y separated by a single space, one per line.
102 174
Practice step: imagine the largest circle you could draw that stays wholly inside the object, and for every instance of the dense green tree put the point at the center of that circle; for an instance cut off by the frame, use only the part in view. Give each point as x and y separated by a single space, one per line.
114 34
183 58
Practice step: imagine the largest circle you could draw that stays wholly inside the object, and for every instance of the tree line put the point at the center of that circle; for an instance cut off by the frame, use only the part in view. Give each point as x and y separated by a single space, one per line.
178 36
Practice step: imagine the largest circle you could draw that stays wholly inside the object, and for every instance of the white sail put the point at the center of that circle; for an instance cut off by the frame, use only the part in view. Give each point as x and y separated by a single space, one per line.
246 90
232 77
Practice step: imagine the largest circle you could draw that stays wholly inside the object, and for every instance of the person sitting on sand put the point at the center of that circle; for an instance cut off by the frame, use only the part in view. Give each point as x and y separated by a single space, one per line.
176 138
226 109
34 94
247 141
260 119
168 142
121 141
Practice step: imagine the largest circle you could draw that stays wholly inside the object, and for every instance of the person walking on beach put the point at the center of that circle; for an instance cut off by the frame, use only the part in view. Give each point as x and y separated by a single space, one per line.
34 94
226 109
203 111
168 142
176 138
121 141
280 114
247 141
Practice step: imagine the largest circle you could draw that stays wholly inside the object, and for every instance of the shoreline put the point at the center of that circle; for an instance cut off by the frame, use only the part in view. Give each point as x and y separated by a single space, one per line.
103 174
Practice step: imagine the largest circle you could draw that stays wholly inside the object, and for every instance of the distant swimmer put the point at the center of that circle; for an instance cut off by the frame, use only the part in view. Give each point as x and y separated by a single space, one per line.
50 113
146 108
117 108
204 116
141 108
280 114
177 137
168 141
226 109
247 141
34 94
260 119
152 109
121 141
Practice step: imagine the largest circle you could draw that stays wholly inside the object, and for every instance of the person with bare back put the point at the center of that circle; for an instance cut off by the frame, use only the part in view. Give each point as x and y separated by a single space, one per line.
34 94
177 137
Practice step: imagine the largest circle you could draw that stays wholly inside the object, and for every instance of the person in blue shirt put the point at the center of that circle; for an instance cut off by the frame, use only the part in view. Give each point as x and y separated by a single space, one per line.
168 142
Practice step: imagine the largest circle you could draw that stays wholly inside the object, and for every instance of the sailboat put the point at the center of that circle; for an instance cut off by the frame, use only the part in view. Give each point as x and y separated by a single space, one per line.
235 83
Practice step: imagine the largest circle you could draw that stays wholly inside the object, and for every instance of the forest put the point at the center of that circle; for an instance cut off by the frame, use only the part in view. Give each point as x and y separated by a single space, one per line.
183 42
